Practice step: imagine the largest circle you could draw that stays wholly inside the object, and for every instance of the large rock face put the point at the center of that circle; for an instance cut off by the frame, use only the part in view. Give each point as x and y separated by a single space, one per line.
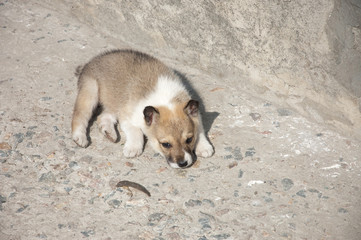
306 54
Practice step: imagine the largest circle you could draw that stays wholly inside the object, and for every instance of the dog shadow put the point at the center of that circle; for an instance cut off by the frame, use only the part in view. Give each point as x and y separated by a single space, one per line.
97 111
208 118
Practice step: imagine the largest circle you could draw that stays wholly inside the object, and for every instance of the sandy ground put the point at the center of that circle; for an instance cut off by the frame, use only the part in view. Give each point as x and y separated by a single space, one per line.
274 175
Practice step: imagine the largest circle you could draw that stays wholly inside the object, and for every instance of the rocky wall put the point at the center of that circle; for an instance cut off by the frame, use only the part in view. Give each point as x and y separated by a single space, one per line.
302 54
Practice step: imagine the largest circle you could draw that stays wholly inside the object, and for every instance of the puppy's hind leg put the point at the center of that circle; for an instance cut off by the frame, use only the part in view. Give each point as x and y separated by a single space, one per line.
85 104
106 123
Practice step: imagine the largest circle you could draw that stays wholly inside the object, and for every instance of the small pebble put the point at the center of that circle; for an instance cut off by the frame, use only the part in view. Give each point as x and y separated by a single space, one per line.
287 184
155 217
283 112
2 200
255 116
47 177
192 203
237 153
221 236
5 146
114 203
250 152
301 193
87 233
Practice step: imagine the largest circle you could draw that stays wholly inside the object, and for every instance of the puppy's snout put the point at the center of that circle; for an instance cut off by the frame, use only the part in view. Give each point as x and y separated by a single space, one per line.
182 164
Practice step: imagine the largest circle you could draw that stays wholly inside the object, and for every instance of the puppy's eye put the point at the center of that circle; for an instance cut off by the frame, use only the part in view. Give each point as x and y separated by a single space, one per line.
166 145
189 140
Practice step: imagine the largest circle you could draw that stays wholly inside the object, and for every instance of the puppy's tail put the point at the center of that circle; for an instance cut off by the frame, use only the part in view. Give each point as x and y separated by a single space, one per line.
79 70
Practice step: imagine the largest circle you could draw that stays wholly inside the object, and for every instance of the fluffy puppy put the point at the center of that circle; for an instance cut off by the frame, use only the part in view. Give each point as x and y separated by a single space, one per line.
146 98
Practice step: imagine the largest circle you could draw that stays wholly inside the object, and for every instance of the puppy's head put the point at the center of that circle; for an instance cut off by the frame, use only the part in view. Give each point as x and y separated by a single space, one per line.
174 132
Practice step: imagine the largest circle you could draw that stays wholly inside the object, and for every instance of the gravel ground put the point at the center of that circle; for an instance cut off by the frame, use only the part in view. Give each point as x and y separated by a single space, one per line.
274 175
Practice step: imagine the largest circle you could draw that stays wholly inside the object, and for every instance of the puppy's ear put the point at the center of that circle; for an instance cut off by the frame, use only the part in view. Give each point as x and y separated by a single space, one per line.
150 115
192 108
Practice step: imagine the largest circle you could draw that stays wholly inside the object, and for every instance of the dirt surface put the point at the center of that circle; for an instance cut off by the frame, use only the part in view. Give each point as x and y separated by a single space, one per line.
274 175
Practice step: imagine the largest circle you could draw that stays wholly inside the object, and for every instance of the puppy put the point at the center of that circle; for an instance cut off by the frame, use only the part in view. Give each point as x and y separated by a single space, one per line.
146 98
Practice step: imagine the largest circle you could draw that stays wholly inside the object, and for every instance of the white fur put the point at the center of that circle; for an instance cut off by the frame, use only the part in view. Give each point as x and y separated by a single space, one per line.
188 158
134 140
79 136
204 148
165 90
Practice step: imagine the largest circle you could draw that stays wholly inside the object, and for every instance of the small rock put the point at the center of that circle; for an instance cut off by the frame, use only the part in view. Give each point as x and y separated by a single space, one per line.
232 165
19 137
228 149
237 154
250 152
5 146
29 134
47 177
205 223
87 233
73 164
342 210
2 200
22 209
287 184
221 236
283 112
255 116
240 174
192 203
155 218
114 203
3 154
45 98
301 193
129 164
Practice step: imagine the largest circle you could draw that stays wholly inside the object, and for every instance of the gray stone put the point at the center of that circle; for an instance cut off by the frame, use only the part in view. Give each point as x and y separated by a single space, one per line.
221 236
19 137
250 152
114 203
193 203
283 112
47 177
88 233
155 218
2 200
240 173
287 184
301 193
237 153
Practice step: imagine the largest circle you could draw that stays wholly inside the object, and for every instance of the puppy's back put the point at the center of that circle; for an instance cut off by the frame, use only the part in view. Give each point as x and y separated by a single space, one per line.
123 77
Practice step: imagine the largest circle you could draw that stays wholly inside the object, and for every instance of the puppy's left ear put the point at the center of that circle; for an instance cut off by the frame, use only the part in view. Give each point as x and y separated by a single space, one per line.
192 108
150 115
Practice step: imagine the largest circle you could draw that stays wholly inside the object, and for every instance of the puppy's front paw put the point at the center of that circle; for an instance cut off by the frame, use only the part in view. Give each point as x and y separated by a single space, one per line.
204 149
132 151
80 139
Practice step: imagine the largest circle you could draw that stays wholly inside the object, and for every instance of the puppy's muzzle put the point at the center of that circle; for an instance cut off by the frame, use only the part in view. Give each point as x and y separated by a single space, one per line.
182 161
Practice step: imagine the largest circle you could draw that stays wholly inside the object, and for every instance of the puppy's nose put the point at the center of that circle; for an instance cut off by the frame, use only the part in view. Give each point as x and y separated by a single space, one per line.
182 164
